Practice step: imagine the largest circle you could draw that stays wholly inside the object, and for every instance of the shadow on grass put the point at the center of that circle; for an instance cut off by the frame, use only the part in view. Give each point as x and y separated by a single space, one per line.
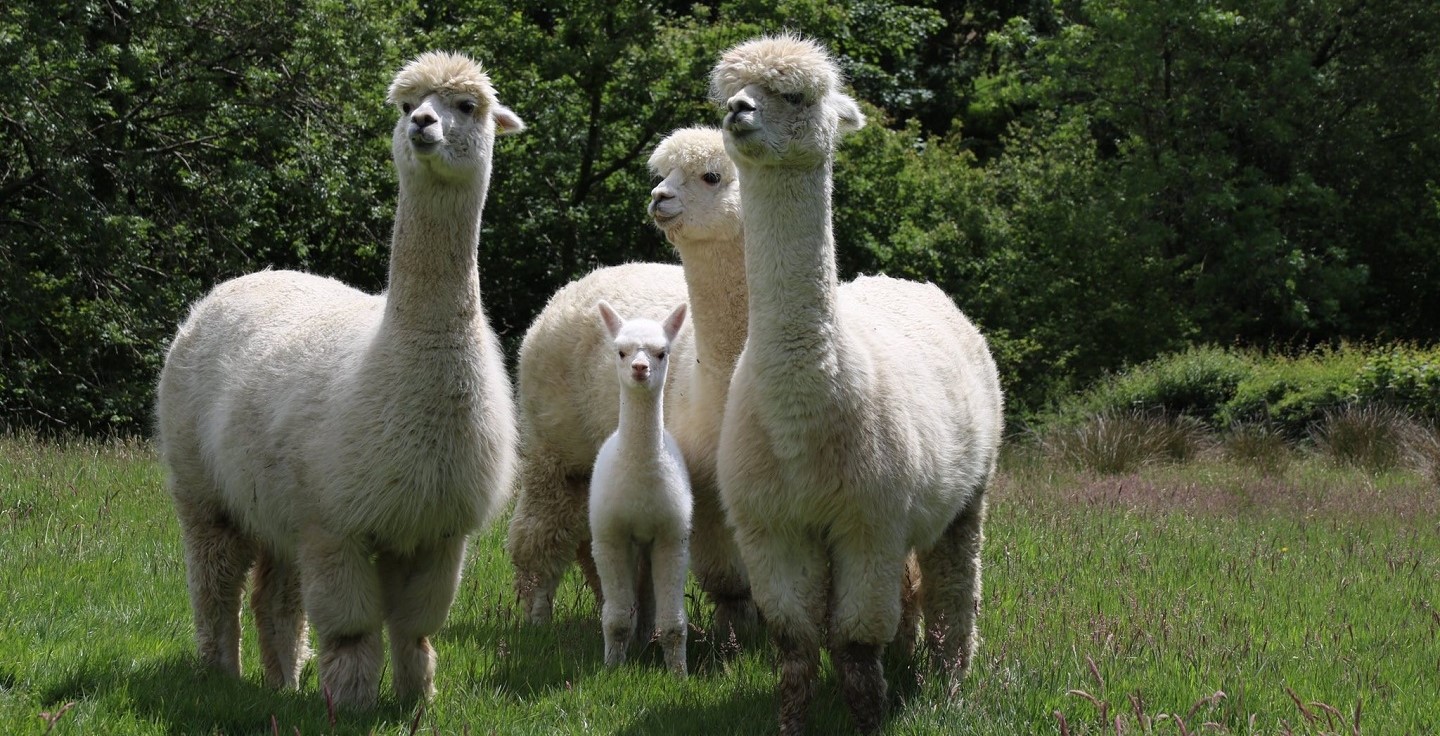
187 698
757 711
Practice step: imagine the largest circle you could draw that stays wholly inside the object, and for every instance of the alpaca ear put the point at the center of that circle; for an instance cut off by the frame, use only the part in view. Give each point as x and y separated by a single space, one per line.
851 119
610 318
674 322
506 121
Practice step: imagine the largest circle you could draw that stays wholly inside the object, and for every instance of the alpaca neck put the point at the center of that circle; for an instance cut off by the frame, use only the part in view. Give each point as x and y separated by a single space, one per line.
789 258
434 278
642 419
719 304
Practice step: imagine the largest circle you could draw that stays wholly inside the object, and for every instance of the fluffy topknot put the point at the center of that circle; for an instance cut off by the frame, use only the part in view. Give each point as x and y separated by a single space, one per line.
785 63
441 71
692 149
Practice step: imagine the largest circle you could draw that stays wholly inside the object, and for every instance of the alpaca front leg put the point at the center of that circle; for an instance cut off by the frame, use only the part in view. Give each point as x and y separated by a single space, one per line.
669 562
789 576
217 558
280 620
419 590
341 590
866 580
617 559
950 591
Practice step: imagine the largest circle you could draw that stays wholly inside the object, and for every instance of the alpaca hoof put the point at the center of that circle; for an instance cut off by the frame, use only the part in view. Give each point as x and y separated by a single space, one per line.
862 680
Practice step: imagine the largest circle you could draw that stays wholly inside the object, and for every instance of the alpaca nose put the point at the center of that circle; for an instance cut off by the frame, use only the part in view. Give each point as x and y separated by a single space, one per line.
640 370
423 119
660 195
740 104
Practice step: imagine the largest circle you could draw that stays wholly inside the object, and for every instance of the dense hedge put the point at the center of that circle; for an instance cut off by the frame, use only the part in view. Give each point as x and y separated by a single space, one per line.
1224 387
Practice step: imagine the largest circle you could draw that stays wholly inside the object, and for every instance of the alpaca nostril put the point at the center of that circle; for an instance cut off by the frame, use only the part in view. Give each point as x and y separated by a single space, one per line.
740 104
660 196
423 119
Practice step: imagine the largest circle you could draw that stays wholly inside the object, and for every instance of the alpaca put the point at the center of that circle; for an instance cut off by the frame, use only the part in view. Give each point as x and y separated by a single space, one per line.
863 420
640 494
350 442
568 396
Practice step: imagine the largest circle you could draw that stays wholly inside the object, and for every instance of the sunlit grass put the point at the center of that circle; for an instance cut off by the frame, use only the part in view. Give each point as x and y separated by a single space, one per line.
1158 600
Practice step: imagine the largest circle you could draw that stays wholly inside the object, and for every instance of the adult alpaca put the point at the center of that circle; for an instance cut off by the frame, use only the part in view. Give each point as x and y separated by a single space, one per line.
863 421
569 398
350 442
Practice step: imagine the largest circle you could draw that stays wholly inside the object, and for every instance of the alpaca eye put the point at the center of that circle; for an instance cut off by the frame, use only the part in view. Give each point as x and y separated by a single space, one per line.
711 177
660 355
793 98
622 354
406 107
467 106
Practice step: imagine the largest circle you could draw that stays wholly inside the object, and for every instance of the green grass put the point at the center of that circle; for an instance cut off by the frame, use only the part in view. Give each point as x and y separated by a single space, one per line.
1305 595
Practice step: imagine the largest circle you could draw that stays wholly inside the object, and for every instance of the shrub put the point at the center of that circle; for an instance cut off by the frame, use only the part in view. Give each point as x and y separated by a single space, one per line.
1194 383
1402 376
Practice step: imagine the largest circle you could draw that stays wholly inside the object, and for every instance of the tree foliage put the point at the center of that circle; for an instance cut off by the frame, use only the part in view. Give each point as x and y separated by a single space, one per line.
1094 181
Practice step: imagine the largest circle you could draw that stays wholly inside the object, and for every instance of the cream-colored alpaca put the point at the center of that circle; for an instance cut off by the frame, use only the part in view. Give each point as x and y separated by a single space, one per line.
350 442
569 399
864 420
640 495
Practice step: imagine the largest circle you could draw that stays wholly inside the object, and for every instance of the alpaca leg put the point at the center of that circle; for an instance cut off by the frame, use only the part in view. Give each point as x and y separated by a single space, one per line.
342 597
716 560
217 558
789 577
551 520
866 585
906 634
280 620
669 561
419 590
617 560
950 590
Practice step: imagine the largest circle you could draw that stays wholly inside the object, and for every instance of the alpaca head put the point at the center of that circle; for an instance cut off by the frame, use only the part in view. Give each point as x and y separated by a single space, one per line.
642 346
783 102
449 117
698 197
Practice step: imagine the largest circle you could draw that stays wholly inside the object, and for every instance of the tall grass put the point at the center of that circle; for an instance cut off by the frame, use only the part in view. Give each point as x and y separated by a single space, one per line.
1194 593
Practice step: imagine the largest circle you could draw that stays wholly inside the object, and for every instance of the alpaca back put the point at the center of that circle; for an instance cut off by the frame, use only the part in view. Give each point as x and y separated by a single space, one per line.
569 400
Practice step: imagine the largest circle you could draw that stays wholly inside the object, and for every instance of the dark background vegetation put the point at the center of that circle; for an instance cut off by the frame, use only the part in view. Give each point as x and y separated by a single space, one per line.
1096 182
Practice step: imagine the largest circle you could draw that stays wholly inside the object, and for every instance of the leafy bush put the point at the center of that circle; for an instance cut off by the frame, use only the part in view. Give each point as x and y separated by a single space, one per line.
1195 383
1295 392
1402 376
1290 394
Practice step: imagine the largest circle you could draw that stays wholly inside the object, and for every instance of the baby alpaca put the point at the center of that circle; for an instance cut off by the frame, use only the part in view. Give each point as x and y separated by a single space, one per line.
640 494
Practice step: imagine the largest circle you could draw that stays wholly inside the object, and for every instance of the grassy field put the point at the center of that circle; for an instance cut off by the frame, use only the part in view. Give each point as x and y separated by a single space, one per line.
1205 597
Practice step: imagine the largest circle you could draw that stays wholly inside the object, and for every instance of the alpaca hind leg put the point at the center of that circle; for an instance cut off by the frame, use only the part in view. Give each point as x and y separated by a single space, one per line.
790 578
279 619
950 591
866 585
217 559
617 560
550 522
669 561
716 560
419 590
341 590
906 634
